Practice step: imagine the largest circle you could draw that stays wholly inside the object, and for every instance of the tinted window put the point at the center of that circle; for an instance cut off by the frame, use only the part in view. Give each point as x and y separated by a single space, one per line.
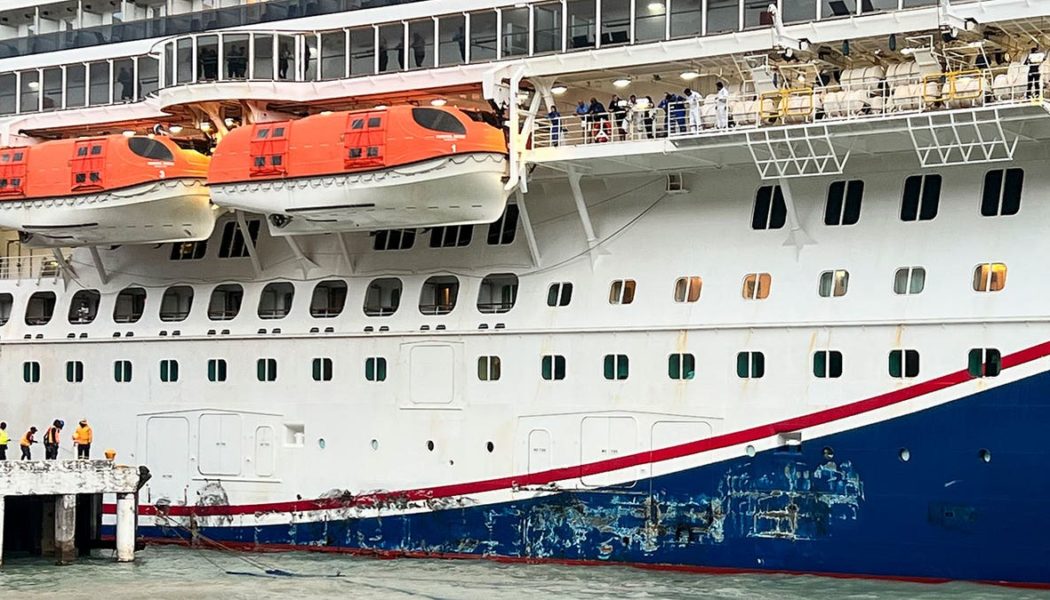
147 148
438 120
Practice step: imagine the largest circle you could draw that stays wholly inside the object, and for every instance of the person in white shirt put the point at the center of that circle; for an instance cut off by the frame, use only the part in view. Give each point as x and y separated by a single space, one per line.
1034 61
693 101
722 106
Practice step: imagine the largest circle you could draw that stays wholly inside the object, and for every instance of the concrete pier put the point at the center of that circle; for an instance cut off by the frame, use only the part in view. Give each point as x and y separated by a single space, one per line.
56 485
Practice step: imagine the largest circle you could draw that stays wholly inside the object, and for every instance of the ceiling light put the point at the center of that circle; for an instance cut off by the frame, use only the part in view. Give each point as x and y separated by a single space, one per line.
175 129
34 85
205 126
438 102
656 6
129 133
689 75
558 90
621 83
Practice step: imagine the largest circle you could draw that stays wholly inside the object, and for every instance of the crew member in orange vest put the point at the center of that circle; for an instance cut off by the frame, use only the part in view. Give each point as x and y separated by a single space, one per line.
27 441
82 439
51 439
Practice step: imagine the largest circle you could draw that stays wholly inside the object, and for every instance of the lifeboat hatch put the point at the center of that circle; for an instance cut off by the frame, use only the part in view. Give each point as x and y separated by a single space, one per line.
269 149
88 166
12 172
364 143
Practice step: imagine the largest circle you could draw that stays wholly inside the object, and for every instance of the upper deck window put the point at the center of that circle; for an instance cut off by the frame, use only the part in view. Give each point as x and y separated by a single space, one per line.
770 209
438 120
922 194
147 148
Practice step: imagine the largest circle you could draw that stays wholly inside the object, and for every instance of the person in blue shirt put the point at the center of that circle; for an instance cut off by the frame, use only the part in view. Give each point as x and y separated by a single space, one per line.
581 112
599 120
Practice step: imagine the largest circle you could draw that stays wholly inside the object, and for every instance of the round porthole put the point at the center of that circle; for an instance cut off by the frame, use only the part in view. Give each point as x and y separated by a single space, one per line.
320 443
904 454
490 446
750 450
829 453
985 455
375 444
430 445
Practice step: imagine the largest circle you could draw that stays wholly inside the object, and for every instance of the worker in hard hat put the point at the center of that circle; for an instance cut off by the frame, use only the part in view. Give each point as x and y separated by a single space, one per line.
27 441
51 439
82 440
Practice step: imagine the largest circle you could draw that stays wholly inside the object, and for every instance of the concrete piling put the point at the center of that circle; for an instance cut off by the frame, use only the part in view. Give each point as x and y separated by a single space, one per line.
65 528
125 527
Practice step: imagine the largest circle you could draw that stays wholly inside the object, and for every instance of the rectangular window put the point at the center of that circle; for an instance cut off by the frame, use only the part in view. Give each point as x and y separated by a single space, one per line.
621 291
394 239
451 236
985 362
750 365
681 366
375 368
553 367
189 250
502 231
756 286
909 280
770 210
488 368
266 369
31 372
559 294
827 364
169 371
904 363
833 283
616 366
922 194
843 204
232 244
74 371
216 370
322 369
687 289
989 277
122 371
1002 192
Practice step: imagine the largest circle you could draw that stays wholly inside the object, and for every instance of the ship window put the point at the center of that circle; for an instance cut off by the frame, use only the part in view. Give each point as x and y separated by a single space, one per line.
1002 192
259 161
375 368
394 239
278 132
621 291
909 280
80 178
122 371
681 366
750 365
266 369
488 368
922 193
559 294
687 289
216 370
31 372
904 363
276 300
176 303
262 134
502 231
439 295
989 277
355 153
756 286
130 304
82 151
94 176
7 303
436 119
322 369
833 283
498 293
373 151
328 299
985 362
552 367
383 297
83 308
276 160
96 150
843 203
225 302
770 210
374 122
169 371
616 366
232 244
827 364
357 124
451 236
41 308
189 250
147 148
483 36
74 371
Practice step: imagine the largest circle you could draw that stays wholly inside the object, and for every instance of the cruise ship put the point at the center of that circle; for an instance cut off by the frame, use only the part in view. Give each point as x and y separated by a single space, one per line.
709 285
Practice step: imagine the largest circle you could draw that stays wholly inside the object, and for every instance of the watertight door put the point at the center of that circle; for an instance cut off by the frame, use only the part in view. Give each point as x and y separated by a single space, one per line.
539 450
264 449
269 149
220 444
167 454
12 172
88 165
365 140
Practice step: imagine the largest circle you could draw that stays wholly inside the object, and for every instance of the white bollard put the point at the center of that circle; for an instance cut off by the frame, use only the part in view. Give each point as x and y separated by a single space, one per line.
125 527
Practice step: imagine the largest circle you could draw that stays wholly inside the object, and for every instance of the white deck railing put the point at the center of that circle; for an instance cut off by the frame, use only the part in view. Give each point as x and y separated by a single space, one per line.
29 267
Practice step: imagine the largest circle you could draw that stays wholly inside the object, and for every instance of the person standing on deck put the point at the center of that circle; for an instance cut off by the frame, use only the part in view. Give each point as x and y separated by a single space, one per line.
52 437
722 106
4 439
27 442
82 439
554 117
693 101
1034 61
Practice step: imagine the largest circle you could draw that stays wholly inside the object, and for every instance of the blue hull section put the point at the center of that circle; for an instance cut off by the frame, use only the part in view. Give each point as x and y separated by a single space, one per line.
847 503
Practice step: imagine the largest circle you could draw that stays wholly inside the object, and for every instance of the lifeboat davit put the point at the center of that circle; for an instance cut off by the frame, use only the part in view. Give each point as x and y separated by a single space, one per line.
105 190
388 168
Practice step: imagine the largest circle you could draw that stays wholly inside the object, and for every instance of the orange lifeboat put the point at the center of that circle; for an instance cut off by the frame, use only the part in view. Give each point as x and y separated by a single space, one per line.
397 167
112 189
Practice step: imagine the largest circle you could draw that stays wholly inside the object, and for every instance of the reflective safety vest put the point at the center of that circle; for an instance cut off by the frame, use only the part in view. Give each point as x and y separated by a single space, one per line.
82 435
51 436
3 437
27 439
